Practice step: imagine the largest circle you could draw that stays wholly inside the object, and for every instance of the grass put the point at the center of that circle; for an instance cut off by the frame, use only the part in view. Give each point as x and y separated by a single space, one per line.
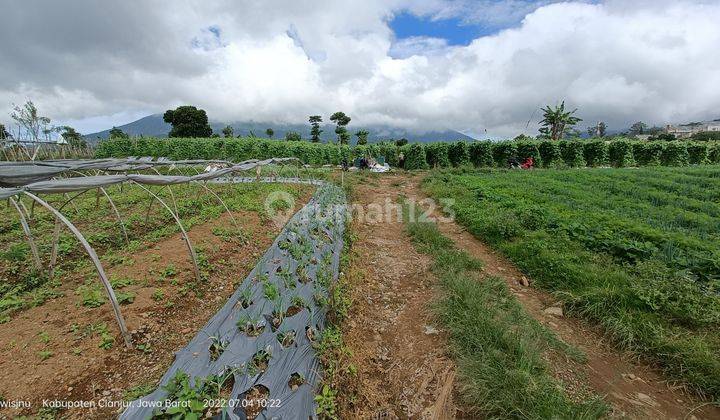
499 350
636 251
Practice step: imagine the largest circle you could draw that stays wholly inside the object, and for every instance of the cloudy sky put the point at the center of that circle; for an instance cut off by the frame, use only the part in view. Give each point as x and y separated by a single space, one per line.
479 66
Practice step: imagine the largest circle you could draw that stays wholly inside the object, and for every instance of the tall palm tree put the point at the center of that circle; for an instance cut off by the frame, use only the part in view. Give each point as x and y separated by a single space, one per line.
557 122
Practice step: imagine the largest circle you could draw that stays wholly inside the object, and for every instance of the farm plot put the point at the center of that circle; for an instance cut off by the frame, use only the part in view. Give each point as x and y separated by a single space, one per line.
260 347
636 251
64 324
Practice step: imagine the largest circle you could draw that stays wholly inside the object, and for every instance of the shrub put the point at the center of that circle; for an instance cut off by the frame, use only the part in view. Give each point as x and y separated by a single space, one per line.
707 136
437 155
621 153
595 153
504 151
698 153
550 153
458 153
572 153
675 154
415 157
648 154
528 149
714 153
481 154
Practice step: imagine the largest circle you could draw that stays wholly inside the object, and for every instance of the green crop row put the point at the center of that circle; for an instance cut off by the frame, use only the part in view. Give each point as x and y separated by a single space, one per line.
636 251
547 154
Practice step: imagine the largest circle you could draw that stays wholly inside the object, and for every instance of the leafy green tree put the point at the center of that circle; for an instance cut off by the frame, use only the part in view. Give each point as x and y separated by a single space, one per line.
597 130
72 137
228 132
30 121
293 136
638 128
362 137
707 136
402 142
187 121
341 120
270 133
557 122
116 133
601 129
315 130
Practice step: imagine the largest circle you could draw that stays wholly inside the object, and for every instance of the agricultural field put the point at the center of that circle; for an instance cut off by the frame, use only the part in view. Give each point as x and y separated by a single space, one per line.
64 323
634 251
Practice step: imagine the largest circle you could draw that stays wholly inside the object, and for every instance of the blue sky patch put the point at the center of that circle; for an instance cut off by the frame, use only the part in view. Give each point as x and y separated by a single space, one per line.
407 25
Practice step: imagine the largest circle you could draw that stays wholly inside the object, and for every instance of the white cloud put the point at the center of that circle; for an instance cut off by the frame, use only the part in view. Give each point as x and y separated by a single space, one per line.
283 60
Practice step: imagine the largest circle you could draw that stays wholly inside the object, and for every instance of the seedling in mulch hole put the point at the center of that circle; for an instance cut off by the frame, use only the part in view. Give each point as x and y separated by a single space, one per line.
255 400
297 303
245 298
284 244
295 381
320 298
261 278
251 327
217 347
277 315
302 274
270 291
286 275
44 337
324 278
310 333
260 361
286 338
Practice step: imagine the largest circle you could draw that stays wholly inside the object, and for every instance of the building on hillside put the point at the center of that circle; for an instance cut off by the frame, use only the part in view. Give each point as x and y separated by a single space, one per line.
685 131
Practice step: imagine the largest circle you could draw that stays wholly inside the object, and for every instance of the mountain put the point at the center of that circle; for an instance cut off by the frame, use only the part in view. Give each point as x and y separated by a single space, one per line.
154 126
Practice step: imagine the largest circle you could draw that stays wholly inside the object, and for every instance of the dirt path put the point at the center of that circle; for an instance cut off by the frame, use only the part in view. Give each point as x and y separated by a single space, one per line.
634 390
403 368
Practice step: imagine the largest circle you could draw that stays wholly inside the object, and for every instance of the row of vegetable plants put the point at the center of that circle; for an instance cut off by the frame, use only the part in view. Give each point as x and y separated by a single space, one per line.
545 153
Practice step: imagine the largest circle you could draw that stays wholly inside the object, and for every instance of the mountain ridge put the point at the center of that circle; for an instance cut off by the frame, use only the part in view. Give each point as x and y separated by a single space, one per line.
154 126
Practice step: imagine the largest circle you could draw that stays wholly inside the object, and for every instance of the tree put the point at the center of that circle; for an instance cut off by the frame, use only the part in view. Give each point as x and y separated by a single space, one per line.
72 137
402 142
227 132
116 133
362 137
707 136
315 131
557 122
187 121
3 132
663 137
601 129
270 132
30 122
293 136
638 128
341 120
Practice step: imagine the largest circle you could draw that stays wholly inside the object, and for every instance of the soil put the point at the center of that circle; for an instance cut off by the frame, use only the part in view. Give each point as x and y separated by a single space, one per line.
78 370
404 372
